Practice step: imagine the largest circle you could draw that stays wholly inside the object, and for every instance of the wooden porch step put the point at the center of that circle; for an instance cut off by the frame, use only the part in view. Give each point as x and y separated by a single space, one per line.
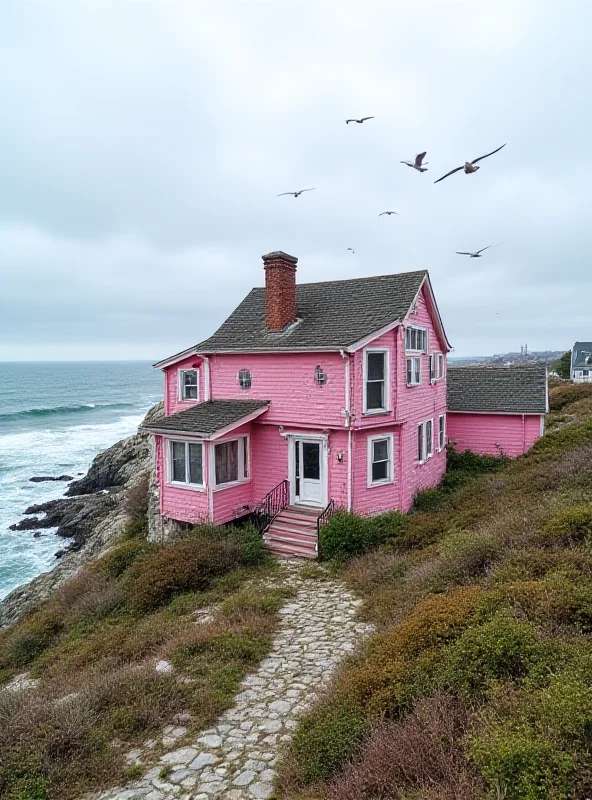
287 535
290 550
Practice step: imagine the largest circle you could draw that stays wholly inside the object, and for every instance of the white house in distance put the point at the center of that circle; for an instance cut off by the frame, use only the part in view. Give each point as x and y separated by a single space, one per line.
581 362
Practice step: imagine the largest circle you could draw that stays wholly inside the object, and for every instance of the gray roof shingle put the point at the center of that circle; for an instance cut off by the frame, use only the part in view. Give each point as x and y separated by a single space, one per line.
332 315
509 390
581 351
206 418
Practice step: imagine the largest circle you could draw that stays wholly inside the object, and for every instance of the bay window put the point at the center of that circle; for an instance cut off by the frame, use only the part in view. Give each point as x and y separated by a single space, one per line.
186 463
231 461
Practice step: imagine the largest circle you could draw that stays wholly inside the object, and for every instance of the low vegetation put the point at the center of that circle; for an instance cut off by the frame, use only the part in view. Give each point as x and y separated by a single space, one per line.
94 645
478 680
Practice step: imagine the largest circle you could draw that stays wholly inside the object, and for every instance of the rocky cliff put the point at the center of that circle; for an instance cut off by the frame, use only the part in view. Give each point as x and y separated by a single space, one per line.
91 515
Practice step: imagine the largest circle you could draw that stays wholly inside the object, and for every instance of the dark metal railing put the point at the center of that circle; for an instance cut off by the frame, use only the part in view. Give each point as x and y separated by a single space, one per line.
323 517
271 505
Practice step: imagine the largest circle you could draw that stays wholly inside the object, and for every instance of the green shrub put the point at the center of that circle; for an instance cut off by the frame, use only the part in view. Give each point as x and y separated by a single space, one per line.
464 556
248 538
473 463
519 764
428 499
500 648
120 557
568 393
30 639
181 566
347 535
328 737
568 526
30 789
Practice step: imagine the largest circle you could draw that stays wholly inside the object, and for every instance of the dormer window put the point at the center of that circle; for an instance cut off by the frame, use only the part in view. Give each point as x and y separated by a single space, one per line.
188 384
320 376
416 339
244 379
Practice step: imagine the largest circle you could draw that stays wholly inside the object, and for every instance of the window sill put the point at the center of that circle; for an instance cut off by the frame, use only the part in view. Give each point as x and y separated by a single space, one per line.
192 487
221 486
412 385
376 413
376 484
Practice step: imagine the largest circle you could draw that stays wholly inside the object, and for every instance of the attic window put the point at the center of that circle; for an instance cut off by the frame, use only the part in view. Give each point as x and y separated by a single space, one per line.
244 379
320 376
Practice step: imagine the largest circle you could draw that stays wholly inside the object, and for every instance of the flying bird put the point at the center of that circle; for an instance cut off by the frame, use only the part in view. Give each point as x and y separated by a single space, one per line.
469 166
295 194
351 249
417 164
359 121
476 254
389 213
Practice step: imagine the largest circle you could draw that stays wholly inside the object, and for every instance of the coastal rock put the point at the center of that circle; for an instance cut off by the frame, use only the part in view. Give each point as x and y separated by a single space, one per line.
93 514
42 478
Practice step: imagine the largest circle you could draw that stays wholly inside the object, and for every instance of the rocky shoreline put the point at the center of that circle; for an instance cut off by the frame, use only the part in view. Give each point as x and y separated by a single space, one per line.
92 513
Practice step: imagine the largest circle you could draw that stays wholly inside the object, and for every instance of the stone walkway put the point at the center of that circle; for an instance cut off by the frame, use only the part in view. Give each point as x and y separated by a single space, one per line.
236 759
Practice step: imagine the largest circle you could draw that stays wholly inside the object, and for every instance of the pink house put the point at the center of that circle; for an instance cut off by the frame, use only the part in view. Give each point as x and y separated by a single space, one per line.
308 398
495 410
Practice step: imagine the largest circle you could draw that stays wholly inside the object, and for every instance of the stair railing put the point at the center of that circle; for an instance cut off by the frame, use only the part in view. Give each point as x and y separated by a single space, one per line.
271 505
323 517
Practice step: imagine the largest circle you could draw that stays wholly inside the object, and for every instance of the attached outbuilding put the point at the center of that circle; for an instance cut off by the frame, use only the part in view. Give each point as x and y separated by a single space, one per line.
496 410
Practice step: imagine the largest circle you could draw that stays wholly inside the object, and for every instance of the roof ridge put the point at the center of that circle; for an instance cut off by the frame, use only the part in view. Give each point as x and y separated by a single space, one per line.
354 280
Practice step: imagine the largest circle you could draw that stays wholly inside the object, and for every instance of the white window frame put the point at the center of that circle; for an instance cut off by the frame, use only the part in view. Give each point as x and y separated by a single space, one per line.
391 461
387 380
238 378
429 453
425 339
441 432
436 367
169 464
241 463
413 372
421 456
181 386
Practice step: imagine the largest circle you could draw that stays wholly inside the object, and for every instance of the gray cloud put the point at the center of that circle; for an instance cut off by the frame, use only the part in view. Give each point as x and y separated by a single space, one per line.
144 144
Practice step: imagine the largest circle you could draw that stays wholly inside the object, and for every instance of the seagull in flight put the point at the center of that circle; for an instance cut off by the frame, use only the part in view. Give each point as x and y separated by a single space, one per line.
351 249
477 253
359 121
417 164
469 166
295 194
389 213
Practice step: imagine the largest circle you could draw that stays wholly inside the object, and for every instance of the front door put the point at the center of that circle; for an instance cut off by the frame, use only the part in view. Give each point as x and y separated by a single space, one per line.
308 472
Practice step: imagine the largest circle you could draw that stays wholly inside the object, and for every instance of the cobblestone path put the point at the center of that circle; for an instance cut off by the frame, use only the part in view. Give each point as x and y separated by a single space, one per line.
236 759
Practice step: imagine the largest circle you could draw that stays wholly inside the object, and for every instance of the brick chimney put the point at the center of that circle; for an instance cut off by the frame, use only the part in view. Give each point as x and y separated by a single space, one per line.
280 290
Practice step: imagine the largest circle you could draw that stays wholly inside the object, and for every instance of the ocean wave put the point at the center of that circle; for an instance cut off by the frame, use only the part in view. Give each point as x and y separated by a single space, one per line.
45 412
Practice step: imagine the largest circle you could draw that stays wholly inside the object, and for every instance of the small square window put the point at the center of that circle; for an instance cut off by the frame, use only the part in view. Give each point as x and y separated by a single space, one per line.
244 379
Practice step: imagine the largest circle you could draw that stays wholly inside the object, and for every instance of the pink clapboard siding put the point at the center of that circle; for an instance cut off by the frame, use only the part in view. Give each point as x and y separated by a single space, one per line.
493 434
177 502
172 403
288 381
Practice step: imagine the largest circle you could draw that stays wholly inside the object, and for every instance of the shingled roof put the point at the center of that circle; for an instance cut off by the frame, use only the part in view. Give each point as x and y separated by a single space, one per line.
507 390
207 418
580 353
331 315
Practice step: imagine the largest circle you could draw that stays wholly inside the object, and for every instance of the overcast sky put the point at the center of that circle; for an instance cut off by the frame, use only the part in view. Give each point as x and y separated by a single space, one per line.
143 145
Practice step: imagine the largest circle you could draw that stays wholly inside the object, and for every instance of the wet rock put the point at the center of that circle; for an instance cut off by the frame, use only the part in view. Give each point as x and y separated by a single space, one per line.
43 478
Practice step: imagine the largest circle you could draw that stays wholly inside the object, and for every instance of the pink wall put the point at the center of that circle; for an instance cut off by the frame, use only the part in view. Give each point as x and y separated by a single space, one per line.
172 404
184 505
514 434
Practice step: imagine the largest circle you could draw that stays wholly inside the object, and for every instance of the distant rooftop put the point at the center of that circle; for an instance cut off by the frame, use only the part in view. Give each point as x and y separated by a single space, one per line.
581 355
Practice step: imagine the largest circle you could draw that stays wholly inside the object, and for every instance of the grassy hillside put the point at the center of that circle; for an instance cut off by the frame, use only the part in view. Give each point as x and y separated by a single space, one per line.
94 645
478 680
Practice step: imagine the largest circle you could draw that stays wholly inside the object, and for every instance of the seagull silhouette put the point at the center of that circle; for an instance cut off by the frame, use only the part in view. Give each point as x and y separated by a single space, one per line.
417 164
469 166
295 194
359 121
352 249
477 253
389 213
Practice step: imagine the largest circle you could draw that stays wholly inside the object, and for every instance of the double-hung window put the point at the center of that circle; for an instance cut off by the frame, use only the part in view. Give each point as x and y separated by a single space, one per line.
413 371
380 459
436 366
231 461
441 431
188 384
186 463
375 381
425 441
416 339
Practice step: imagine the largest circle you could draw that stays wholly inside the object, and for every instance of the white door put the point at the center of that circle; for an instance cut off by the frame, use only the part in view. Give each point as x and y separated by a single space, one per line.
308 472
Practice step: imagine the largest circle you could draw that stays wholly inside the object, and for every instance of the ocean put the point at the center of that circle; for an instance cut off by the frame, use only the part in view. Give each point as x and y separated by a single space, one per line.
54 419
